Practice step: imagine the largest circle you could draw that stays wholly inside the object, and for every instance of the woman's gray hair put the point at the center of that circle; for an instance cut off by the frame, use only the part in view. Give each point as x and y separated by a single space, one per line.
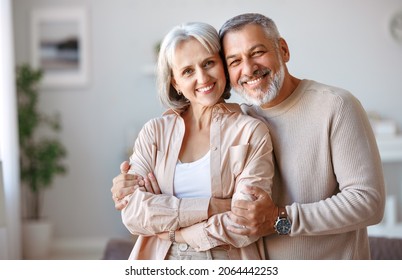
203 33
238 22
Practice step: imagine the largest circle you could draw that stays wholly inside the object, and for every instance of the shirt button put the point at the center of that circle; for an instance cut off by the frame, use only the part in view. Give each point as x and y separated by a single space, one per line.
214 148
183 247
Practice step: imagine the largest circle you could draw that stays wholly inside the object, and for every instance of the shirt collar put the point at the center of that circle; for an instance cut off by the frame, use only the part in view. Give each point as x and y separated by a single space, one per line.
219 108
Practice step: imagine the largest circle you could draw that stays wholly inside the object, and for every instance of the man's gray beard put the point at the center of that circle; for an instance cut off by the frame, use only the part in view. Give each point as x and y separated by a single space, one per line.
264 97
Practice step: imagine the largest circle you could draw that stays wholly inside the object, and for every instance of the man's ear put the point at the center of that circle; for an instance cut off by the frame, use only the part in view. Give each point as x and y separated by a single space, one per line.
284 50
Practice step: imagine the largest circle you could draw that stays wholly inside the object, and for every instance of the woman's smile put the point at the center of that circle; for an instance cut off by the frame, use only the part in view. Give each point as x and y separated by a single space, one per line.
206 89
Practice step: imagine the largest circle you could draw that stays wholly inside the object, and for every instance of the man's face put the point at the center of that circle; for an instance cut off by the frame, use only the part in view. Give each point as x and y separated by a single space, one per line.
256 67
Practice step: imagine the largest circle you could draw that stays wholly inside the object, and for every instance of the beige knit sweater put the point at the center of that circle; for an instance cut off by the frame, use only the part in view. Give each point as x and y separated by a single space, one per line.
328 173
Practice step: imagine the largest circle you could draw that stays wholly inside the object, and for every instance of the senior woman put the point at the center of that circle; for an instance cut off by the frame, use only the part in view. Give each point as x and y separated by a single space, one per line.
201 148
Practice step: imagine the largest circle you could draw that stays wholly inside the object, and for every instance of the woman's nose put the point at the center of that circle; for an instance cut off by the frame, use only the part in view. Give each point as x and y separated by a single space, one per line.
202 76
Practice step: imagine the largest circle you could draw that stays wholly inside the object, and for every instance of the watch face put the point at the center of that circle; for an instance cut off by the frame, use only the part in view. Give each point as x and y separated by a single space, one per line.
283 226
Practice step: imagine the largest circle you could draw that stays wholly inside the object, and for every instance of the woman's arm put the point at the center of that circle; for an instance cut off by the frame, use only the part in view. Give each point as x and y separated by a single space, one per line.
148 213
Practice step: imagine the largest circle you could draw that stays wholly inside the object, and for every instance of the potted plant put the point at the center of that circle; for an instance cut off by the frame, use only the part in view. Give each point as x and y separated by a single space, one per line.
40 159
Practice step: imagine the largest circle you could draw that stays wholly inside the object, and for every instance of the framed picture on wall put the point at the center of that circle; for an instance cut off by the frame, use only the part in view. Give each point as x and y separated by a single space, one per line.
59 46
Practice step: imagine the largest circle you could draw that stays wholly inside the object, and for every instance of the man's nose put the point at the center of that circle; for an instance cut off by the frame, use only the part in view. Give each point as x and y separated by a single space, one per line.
249 67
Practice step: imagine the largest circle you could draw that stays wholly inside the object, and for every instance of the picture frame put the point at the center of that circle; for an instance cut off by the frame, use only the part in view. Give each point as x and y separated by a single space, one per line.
60 46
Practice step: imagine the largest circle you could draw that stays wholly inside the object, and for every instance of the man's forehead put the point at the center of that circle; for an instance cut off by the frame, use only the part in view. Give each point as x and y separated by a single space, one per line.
244 39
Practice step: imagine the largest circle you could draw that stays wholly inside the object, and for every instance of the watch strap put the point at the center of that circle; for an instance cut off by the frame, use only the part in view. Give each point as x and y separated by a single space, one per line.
282 212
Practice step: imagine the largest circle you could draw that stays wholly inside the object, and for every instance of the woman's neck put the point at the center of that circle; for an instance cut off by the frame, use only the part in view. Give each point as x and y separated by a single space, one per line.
196 137
197 117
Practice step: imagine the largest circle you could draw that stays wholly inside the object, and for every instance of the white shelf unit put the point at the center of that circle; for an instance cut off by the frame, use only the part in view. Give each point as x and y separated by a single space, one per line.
390 148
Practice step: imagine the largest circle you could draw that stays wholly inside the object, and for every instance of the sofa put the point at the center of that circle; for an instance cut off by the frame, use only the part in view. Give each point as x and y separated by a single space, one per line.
382 248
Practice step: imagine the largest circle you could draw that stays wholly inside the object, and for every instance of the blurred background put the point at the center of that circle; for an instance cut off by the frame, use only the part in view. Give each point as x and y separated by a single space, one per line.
355 45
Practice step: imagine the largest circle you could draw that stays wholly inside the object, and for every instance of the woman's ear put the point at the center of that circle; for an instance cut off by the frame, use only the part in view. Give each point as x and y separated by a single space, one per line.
174 84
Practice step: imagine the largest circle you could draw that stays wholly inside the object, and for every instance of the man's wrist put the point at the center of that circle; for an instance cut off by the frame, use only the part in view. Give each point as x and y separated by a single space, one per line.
275 216
282 225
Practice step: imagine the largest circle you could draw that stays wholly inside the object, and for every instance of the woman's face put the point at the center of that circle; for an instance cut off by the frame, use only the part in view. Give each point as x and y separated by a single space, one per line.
198 74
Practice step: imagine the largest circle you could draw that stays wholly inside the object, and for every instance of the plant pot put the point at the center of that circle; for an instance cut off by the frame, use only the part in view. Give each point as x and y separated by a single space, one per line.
36 239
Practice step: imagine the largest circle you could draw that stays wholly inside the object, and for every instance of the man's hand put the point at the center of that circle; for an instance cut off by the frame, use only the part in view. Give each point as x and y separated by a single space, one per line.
257 216
125 184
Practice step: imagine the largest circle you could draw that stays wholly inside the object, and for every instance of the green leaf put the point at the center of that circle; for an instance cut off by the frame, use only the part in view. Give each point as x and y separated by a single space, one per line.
40 160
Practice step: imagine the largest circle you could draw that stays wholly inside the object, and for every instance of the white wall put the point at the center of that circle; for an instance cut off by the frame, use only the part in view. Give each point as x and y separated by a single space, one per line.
344 43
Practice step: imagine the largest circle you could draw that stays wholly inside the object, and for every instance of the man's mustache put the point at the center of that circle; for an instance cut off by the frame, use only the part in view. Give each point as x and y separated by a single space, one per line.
256 74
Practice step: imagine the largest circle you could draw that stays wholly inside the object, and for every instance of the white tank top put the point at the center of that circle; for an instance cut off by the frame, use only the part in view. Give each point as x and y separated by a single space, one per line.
193 179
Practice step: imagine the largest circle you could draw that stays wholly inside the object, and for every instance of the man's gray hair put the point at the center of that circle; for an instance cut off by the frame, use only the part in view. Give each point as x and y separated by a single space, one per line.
238 22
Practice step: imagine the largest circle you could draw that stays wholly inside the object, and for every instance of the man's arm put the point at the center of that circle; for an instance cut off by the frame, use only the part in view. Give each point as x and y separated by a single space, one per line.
360 200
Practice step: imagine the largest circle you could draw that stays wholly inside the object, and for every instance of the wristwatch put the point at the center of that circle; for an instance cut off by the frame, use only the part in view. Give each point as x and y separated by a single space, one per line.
282 224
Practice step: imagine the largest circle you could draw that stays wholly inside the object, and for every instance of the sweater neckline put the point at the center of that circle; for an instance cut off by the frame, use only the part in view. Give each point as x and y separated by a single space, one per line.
288 103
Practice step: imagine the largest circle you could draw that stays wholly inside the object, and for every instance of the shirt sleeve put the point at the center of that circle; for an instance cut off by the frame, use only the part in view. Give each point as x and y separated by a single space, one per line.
149 214
258 171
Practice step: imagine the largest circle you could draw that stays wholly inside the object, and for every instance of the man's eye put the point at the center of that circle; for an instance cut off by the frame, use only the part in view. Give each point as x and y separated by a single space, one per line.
234 62
258 53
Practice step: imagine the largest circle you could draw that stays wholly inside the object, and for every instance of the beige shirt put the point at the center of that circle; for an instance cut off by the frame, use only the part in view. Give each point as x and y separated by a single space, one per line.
241 155
328 174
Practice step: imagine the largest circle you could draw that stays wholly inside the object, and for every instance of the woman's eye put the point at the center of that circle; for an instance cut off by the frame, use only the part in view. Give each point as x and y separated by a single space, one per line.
209 63
187 72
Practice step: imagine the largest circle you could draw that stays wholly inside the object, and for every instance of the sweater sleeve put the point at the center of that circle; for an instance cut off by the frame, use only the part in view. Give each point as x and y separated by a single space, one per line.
257 171
358 171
